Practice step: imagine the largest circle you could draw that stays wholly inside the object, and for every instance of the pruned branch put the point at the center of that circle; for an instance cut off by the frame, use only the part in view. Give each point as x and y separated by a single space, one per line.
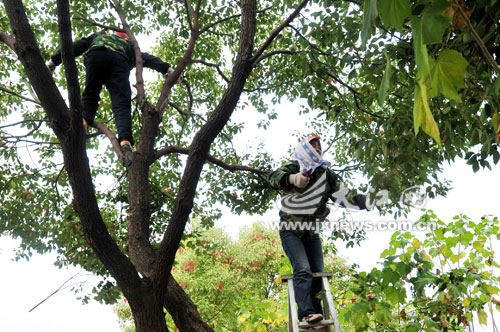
276 31
232 168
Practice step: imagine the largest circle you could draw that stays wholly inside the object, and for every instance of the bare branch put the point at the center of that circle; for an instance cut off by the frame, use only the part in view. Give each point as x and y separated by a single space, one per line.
8 40
19 96
189 11
138 57
269 54
211 25
21 122
313 46
111 136
232 168
276 31
103 26
185 60
209 64
478 39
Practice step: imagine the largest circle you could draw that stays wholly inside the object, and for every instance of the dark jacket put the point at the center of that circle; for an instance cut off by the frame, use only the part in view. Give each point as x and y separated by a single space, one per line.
309 203
114 43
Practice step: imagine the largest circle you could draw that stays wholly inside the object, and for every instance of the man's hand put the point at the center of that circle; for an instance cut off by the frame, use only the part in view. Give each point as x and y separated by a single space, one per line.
51 66
299 180
170 71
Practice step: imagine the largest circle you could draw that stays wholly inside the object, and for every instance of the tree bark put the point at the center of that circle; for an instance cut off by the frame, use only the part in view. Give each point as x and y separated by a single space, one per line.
200 147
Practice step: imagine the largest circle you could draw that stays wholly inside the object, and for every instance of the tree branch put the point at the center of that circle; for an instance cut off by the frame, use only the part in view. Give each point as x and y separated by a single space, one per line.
111 136
209 64
8 40
269 54
138 57
19 96
478 39
276 31
103 26
232 168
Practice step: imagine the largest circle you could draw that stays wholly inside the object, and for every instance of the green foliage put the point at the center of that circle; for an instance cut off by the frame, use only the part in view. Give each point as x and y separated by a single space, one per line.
437 284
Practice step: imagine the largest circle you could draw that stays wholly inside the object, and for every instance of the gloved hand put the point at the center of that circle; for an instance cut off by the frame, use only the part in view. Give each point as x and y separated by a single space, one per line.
51 66
170 71
299 180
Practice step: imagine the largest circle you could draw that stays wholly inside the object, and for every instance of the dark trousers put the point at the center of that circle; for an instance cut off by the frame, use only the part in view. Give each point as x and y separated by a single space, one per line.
105 67
306 255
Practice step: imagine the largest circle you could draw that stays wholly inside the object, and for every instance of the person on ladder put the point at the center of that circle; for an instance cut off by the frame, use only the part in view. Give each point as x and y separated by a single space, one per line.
108 60
308 184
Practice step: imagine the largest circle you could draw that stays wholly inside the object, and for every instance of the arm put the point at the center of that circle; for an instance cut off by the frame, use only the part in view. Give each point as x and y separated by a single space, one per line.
279 179
150 61
343 196
79 47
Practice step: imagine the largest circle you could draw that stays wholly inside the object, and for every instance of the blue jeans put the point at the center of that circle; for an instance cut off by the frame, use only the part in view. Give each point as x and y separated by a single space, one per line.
306 255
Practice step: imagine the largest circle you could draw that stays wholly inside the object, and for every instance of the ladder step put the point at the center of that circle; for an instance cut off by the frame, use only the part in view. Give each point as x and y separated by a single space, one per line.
318 323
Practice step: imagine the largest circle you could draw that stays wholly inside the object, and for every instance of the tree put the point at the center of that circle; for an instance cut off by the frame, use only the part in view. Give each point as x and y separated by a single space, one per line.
131 231
235 283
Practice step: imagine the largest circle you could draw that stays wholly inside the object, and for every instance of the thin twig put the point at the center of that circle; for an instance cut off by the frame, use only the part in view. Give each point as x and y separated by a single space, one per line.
209 64
18 95
54 292
177 149
277 31
105 27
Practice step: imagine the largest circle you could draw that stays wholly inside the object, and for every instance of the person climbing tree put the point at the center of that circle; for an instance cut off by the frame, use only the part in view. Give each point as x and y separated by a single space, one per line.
108 59
308 184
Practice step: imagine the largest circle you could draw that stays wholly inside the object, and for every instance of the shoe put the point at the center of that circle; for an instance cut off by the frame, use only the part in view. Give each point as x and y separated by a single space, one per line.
312 318
125 144
85 126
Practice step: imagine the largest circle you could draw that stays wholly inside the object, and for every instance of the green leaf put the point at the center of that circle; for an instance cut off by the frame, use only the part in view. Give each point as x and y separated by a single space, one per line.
383 314
420 49
369 15
482 317
395 295
434 22
491 289
496 86
394 12
413 327
447 75
422 116
384 85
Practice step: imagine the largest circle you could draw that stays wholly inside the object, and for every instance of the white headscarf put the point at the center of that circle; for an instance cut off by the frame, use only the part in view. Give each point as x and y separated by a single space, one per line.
307 156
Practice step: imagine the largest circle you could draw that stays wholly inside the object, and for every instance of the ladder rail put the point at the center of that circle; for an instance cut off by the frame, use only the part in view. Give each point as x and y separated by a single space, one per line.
330 312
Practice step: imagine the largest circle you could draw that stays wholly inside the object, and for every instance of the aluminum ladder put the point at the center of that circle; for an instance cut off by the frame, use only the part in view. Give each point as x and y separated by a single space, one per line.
329 316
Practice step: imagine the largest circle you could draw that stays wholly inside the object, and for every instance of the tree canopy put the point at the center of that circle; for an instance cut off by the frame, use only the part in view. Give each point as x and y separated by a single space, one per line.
397 88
